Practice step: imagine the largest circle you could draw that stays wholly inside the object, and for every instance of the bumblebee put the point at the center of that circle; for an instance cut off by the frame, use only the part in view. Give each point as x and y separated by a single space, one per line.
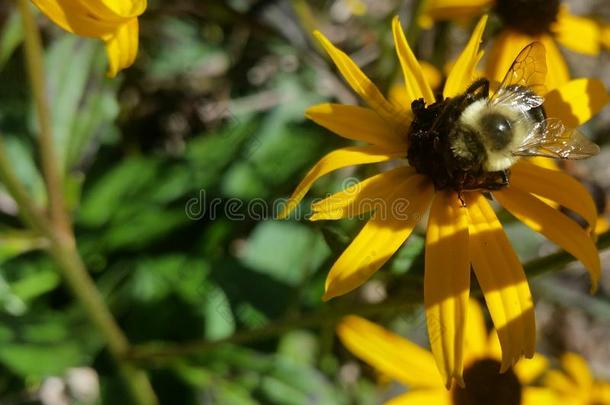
469 142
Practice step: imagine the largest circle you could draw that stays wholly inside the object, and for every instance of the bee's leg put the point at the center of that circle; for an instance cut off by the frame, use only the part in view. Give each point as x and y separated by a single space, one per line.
486 88
483 85
461 198
504 176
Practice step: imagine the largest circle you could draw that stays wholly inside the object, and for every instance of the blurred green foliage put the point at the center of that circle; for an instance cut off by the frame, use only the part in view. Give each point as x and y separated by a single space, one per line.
211 113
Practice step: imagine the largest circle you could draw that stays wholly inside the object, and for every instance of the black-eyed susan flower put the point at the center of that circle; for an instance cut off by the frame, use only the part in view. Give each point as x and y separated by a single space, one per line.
575 385
463 229
524 21
409 364
113 21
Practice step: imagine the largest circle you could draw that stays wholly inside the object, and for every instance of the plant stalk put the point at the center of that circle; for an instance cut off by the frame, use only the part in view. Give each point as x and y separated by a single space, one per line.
58 230
35 67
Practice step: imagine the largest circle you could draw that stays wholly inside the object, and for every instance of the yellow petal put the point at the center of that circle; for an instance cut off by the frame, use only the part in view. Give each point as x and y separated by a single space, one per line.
452 10
76 18
362 85
350 156
577 369
493 348
422 397
356 123
558 73
560 383
389 353
605 36
447 284
362 197
381 237
601 393
502 280
601 225
399 97
530 369
122 47
553 224
576 101
463 72
415 82
115 9
538 396
556 186
475 340
507 46
578 34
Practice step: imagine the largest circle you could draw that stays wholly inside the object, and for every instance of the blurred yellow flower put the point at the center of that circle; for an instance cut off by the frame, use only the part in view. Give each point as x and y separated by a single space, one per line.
525 21
414 367
575 385
113 21
460 234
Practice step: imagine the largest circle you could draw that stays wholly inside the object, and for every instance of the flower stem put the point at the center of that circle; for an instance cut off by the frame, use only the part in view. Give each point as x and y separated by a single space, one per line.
35 67
58 230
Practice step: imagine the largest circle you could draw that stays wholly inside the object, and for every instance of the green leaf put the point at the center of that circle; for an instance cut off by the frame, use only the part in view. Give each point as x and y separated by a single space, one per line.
31 360
121 183
10 37
21 155
14 242
83 101
285 251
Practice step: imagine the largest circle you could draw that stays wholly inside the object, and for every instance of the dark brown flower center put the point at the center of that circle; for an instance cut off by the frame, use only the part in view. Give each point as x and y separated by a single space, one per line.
532 17
486 386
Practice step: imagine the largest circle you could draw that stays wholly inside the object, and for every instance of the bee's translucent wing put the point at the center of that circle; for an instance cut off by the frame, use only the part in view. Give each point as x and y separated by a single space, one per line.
552 139
527 71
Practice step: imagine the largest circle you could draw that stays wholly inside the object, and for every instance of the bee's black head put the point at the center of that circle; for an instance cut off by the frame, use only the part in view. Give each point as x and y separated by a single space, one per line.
532 17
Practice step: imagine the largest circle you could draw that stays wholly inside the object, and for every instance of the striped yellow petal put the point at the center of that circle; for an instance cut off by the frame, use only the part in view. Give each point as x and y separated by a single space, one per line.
530 369
122 47
362 85
463 72
356 123
76 18
360 198
578 34
576 101
502 280
556 186
475 340
422 397
447 284
553 224
381 237
389 353
350 156
577 369
415 82
538 396
507 46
